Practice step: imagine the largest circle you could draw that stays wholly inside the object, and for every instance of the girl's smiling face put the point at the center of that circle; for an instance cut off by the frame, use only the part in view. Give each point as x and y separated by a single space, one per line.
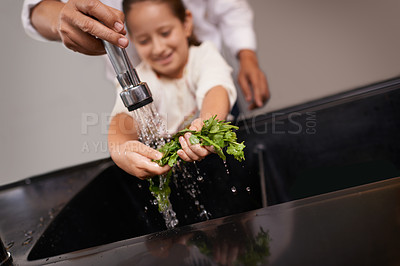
160 37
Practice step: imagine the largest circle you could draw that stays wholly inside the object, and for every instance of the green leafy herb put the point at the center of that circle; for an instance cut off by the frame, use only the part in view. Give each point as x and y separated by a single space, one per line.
160 189
216 133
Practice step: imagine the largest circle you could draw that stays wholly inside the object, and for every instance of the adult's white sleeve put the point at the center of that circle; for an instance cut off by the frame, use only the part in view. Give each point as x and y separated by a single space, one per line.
26 19
235 22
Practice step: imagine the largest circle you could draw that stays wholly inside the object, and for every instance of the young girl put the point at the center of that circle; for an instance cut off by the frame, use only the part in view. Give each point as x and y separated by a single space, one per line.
187 82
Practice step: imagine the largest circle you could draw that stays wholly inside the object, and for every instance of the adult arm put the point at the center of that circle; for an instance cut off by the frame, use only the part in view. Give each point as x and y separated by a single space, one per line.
77 23
235 22
252 79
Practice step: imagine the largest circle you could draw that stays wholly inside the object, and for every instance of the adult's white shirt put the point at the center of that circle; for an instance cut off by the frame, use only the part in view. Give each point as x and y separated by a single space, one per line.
226 23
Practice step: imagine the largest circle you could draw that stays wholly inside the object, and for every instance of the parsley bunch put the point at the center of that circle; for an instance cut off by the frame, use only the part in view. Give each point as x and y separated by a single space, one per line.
216 133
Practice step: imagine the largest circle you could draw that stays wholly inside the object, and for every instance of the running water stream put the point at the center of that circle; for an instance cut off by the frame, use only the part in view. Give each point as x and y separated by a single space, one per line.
152 132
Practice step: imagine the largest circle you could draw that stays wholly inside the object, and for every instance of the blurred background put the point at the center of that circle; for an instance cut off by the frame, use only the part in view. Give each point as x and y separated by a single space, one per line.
55 104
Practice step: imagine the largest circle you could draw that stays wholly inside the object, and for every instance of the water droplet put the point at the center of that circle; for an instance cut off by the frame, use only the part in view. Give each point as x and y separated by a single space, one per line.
51 213
152 132
226 168
29 233
233 189
27 241
196 202
204 215
10 245
200 178
139 185
248 189
145 208
170 217
174 223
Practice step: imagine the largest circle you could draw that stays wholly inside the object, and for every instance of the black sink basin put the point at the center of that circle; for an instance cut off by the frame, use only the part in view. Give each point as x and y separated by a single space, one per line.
117 206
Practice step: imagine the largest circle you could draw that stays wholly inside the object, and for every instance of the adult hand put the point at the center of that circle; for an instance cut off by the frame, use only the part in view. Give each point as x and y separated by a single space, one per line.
252 80
136 158
79 24
193 152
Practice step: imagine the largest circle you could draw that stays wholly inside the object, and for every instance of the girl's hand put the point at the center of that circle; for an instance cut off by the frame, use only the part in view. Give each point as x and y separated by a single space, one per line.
196 152
136 158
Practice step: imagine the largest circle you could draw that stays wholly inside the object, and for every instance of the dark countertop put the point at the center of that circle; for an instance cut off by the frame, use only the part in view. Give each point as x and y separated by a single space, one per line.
355 226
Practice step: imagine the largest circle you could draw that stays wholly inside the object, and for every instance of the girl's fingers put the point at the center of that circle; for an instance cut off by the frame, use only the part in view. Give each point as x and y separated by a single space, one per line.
200 151
184 156
196 125
142 149
142 167
196 148
210 148
187 149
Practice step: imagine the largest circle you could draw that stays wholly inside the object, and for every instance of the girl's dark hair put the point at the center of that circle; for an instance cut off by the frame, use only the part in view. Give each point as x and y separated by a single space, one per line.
176 6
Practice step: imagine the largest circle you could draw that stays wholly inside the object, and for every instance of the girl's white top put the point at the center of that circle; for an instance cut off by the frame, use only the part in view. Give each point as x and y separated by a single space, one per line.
178 101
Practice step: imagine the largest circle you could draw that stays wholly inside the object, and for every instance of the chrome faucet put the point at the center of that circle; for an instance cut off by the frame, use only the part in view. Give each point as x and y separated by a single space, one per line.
135 94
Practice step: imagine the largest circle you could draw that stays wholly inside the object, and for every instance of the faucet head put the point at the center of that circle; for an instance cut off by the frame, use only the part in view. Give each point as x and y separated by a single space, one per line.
137 96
